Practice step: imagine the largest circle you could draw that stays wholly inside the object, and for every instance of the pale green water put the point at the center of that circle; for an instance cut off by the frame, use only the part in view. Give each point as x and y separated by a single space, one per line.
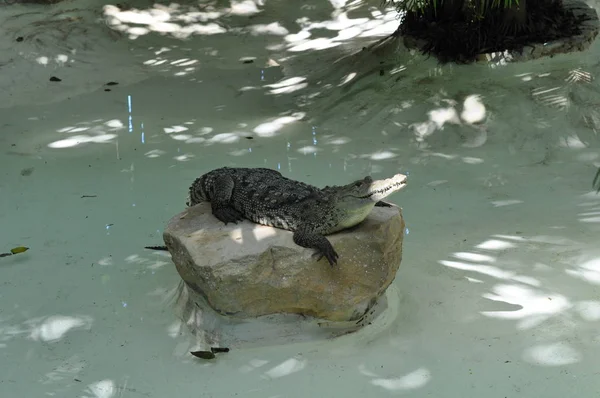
497 294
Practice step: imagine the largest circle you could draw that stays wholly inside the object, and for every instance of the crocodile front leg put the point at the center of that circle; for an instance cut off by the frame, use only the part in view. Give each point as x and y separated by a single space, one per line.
312 240
221 198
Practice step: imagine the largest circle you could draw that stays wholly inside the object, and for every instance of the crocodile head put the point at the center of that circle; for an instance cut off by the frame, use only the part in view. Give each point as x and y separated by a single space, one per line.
354 202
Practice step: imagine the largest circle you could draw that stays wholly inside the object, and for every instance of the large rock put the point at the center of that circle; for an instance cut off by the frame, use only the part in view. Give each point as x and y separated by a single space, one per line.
249 270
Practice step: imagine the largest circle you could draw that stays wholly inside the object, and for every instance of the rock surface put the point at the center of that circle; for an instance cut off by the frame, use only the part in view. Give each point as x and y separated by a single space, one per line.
249 270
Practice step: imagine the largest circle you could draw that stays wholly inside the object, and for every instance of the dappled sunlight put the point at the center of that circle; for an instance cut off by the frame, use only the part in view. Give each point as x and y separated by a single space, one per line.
417 379
97 131
183 21
102 389
287 86
534 307
535 282
174 19
151 264
381 155
473 113
308 150
473 110
184 65
273 126
405 383
47 329
474 257
591 216
496 244
588 310
556 354
588 270
562 95
185 157
208 136
288 33
67 369
572 141
253 364
590 208
259 233
109 388
285 368
507 202
376 23
54 328
551 96
111 132
571 93
481 269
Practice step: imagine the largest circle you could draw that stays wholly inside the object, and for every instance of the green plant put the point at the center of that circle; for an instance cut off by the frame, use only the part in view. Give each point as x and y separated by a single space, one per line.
476 7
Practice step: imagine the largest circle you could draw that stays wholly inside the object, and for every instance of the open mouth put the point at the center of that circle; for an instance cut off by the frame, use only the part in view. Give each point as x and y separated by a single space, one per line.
387 188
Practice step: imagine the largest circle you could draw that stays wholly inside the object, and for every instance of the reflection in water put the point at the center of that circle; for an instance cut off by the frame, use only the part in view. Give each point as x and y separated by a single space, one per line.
130 115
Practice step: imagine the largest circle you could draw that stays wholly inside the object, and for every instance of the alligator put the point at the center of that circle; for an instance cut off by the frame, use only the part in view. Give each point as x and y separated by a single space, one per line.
266 197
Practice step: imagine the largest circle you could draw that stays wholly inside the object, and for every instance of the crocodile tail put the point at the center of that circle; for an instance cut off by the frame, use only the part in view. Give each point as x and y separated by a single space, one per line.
164 248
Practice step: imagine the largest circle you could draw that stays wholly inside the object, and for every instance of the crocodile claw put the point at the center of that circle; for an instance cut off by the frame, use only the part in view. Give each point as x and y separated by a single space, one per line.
330 254
227 215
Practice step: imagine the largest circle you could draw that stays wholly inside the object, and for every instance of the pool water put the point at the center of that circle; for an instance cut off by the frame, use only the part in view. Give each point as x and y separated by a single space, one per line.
497 293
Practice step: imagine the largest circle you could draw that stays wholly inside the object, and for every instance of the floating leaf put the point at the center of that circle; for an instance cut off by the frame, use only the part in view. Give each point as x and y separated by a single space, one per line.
203 354
19 249
209 354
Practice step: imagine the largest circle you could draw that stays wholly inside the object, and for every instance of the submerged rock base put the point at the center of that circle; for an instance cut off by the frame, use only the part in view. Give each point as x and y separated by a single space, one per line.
205 328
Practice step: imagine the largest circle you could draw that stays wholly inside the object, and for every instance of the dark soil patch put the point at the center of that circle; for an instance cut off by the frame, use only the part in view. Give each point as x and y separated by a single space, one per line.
460 39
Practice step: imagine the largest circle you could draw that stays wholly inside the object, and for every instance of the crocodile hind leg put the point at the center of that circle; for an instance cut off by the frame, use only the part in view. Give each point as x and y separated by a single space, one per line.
220 201
320 243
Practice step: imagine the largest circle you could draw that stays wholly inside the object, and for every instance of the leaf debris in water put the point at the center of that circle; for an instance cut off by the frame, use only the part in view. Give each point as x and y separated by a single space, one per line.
15 250
209 354
203 354
19 249
27 172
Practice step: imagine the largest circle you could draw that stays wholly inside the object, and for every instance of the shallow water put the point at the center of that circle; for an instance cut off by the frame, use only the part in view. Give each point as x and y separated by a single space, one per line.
497 294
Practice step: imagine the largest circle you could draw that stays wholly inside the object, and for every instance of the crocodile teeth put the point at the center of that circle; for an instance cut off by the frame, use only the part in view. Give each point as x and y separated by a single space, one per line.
385 189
